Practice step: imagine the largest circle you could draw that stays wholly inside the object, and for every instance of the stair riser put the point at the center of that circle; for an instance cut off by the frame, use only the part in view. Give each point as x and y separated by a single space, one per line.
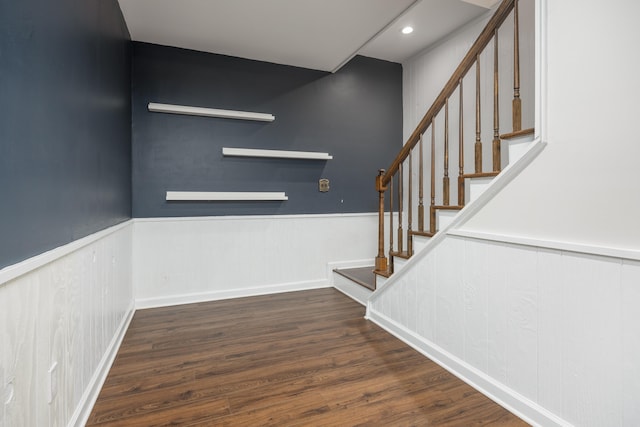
444 218
519 146
353 290
399 263
419 242
476 186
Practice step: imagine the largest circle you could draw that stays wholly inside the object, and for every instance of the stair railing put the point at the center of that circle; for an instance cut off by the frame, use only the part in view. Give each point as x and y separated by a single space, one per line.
405 159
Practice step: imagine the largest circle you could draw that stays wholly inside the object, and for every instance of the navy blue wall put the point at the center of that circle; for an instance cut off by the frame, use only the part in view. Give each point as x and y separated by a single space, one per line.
65 123
354 114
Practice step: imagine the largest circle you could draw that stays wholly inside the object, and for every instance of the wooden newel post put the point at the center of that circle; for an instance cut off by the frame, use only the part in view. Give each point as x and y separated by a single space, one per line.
381 260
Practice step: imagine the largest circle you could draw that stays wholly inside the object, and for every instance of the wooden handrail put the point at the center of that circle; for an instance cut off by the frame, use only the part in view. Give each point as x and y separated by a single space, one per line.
467 62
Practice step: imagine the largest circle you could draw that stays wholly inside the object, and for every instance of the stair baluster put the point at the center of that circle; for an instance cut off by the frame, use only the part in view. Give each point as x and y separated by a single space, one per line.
432 218
400 208
461 148
517 102
478 146
445 179
391 226
381 260
421 189
410 208
497 160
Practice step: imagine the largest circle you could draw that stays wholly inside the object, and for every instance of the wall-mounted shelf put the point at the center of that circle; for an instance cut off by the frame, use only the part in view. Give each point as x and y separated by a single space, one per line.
210 112
279 154
210 196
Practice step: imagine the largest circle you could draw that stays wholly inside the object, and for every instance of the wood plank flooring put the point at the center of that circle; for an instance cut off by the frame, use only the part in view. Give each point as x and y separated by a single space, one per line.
295 359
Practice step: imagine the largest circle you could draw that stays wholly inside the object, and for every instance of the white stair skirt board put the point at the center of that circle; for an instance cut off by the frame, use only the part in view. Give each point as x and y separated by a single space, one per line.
519 146
277 154
476 186
351 289
210 196
210 112
444 218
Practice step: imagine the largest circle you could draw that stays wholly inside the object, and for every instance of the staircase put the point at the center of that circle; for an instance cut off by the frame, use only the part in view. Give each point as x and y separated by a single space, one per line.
404 216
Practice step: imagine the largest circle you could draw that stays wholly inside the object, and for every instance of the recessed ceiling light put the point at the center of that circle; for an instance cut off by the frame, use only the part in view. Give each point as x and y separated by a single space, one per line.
407 30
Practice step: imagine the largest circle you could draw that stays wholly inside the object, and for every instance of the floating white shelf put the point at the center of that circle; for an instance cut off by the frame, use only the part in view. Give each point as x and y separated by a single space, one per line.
216 195
210 112
279 154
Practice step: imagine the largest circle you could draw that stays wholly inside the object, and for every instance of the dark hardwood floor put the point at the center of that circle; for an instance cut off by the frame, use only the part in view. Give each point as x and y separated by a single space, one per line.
296 359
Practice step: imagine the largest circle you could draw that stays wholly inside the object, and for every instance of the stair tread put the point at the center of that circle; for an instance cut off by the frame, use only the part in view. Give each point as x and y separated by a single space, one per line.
364 276
517 134
481 175
448 207
422 233
403 254
383 273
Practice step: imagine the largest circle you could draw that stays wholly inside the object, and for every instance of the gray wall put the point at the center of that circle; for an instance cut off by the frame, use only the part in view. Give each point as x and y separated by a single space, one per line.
65 123
355 115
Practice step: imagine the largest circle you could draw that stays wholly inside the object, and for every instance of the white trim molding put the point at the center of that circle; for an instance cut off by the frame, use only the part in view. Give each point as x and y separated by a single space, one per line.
83 410
550 244
170 300
16 270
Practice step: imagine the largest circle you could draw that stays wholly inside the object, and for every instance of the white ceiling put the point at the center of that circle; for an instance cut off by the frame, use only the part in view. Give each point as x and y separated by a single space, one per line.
316 34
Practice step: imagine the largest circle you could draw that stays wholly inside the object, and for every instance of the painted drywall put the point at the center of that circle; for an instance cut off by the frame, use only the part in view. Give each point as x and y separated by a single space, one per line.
65 168
551 334
354 115
69 312
425 74
180 260
584 187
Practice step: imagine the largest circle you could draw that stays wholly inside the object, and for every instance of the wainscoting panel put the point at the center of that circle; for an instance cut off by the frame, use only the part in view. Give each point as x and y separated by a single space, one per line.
65 316
552 335
183 260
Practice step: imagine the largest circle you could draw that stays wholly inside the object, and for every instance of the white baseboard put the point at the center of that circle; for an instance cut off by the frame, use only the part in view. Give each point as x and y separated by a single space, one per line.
165 301
524 408
83 410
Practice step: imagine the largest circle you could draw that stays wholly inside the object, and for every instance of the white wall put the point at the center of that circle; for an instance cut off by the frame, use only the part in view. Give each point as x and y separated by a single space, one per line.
553 335
584 187
70 306
182 260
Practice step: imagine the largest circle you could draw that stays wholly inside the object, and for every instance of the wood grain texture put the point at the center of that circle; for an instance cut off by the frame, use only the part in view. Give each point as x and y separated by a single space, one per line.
66 312
360 275
301 358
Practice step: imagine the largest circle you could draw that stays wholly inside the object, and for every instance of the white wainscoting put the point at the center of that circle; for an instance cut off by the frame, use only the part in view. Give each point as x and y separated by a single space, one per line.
69 306
185 260
552 335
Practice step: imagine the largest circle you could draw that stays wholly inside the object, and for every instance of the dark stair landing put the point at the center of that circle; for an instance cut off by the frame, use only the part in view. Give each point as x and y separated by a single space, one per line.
363 276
